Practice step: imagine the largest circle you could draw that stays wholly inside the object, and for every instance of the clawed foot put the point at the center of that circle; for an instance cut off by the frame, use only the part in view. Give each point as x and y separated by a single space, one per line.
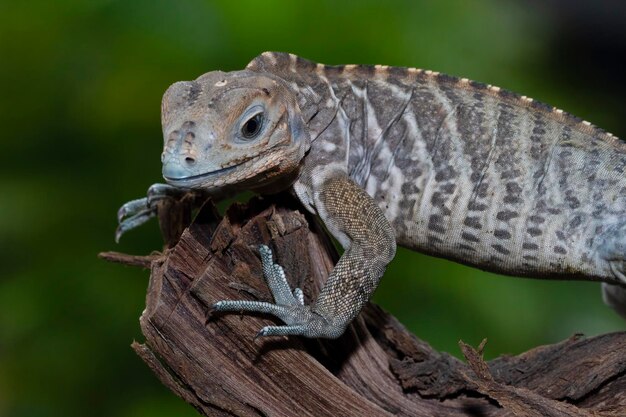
289 307
137 212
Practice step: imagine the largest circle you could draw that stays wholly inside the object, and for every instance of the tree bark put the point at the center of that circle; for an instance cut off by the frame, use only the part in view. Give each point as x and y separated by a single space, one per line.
377 368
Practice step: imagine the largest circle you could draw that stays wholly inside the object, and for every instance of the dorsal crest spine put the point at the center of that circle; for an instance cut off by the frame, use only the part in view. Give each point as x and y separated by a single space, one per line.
276 62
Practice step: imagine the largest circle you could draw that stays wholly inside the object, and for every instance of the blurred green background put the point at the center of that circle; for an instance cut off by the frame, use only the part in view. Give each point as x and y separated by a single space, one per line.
81 83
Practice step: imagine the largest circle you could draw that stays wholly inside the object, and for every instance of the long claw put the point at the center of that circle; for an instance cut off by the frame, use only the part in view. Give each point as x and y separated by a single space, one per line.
131 207
133 221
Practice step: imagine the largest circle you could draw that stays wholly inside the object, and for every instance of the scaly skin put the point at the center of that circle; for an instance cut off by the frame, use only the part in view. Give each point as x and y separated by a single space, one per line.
440 165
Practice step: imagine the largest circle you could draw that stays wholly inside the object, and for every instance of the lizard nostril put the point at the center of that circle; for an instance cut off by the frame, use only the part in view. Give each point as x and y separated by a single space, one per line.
190 161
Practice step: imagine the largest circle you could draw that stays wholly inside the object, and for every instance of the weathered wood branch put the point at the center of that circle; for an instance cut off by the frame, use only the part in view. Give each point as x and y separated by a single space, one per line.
377 368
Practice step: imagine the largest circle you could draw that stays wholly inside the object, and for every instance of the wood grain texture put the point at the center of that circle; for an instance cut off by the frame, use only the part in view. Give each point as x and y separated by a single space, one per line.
377 368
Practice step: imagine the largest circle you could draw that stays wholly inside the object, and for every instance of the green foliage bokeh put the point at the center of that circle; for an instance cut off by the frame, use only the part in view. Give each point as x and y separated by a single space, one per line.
80 134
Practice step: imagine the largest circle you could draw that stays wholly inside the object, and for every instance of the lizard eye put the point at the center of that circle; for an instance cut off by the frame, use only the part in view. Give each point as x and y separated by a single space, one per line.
252 127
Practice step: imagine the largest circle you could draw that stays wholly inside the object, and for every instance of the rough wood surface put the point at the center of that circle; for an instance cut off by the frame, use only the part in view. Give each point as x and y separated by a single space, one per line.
376 368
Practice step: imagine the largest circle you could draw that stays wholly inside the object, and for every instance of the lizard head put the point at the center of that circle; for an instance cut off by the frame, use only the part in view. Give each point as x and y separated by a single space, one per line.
231 129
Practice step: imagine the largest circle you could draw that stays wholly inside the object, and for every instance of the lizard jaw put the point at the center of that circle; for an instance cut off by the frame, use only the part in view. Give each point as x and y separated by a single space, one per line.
233 174
192 179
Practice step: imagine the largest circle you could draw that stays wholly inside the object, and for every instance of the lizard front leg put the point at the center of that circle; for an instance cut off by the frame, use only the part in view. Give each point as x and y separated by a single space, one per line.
359 224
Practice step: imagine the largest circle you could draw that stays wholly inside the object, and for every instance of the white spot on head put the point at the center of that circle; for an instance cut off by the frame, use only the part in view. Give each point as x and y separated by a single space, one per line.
221 83
464 80
494 88
586 123
558 111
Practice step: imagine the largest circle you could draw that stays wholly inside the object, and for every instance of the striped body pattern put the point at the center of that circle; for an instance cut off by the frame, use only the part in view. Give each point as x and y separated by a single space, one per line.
468 171
390 156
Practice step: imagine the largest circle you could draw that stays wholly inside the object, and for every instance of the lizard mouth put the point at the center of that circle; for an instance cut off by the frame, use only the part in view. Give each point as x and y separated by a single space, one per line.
201 179
203 175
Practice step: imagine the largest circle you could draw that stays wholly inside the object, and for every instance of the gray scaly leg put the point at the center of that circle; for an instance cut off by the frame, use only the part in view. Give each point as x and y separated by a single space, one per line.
358 223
